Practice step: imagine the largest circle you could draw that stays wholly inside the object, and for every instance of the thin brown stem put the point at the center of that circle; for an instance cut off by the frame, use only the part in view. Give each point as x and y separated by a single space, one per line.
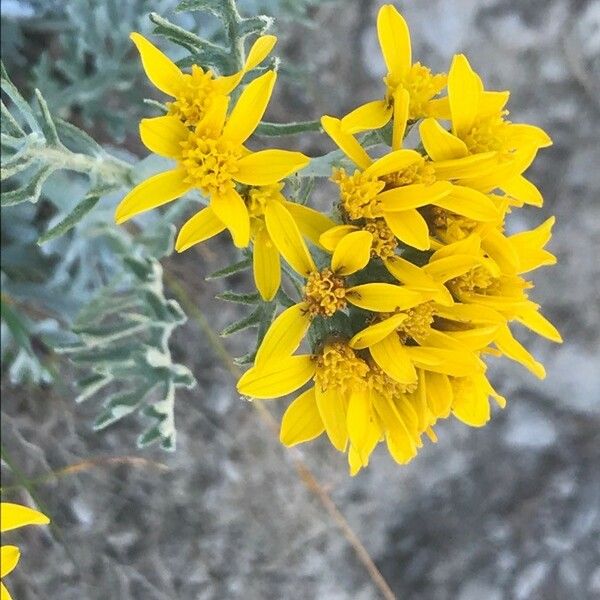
304 472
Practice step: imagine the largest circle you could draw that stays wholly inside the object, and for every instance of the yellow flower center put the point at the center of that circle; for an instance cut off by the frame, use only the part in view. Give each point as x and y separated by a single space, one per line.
422 85
478 280
210 163
338 367
387 387
451 226
324 293
384 241
195 96
421 171
257 198
357 194
488 134
418 322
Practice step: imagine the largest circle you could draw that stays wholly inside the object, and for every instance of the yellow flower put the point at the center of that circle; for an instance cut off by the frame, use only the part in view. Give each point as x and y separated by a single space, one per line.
479 126
358 405
274 223
13 516
400 185
196 92
326 292
410 87
212 158
494 286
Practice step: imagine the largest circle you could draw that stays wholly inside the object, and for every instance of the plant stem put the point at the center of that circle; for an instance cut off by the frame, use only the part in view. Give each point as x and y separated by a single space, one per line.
303 470
277 129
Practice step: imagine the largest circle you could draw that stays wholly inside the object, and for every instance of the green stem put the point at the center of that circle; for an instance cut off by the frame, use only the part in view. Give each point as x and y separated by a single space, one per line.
232 18
277 129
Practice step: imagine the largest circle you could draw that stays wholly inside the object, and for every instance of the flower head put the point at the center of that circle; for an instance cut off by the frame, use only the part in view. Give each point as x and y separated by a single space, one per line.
13 516
212 158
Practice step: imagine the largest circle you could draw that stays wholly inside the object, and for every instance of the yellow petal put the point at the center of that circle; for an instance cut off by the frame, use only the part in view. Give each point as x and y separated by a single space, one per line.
212 122
442 360
250 108
352 253
471 404
266 266
284 335
392 357
383 297
439 394
278 378
232 211
469 167
397 160
401 104
259 51
301 421
375 333
521 134
470 312
371 438
312 223
535 321
439 143
469 203
511 348
152 193
418 279
269 166
476 338
163 135
345 141
394 39
371 115
449 267
202 226
523 191
160 69
13 516
409 227
9 557
332 237
332 409
492 103
4 595
529 246
287 238
464 90
469 245
359 424
499 248
413 196
397 436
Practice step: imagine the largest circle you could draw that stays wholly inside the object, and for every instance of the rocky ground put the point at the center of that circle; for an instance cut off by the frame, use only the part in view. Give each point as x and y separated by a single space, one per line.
511 511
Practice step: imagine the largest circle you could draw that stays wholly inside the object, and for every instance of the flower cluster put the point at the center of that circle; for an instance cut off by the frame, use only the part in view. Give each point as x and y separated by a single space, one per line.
409 285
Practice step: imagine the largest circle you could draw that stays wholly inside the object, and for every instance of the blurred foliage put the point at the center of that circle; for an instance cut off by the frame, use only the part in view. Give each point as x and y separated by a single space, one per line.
71 280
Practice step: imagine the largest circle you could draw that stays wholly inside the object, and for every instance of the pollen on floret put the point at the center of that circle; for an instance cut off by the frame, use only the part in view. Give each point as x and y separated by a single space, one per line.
324 293
195 97
422 85
358 194
210 164
421 171
478 280
338 367
387 387
417 323
488 134
257 198
449 225
384 241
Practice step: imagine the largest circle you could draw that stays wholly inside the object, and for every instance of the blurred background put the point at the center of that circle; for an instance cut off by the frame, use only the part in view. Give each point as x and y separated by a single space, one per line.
511 511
